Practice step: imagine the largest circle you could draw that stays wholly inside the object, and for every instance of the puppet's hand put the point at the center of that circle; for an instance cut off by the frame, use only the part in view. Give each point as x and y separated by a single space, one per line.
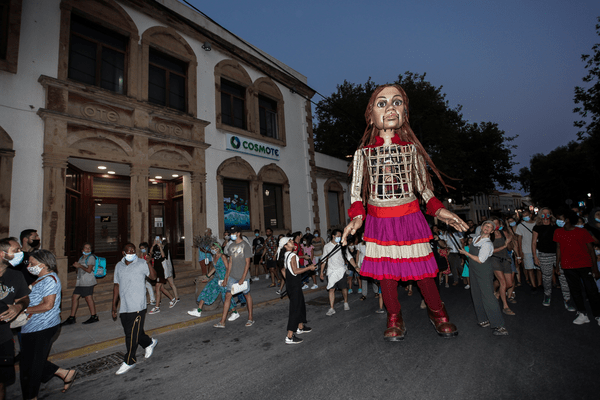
451 219
351 229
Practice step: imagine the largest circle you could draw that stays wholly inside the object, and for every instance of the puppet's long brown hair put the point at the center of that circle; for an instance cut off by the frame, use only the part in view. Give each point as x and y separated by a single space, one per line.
406 134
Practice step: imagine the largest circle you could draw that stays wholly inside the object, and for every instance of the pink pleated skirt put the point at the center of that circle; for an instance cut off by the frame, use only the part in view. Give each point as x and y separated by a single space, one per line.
397 244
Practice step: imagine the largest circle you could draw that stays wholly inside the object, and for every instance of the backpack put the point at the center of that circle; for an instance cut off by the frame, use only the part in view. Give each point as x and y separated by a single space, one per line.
99 267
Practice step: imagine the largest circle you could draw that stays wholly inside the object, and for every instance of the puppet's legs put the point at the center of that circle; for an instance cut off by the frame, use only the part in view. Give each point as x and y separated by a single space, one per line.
436 309
395 330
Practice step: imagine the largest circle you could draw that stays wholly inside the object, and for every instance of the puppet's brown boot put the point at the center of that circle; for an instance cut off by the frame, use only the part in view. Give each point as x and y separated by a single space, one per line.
441 322
395 328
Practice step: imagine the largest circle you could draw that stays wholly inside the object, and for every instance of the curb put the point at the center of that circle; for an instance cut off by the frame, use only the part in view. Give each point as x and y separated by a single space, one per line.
156 331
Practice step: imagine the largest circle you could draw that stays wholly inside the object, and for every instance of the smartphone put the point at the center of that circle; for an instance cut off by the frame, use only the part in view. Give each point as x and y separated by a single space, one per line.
157 239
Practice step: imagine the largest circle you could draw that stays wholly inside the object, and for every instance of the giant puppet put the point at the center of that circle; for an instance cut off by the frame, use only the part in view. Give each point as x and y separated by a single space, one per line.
388 171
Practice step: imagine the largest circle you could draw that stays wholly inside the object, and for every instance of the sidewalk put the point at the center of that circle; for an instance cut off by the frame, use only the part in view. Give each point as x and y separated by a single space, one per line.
78 339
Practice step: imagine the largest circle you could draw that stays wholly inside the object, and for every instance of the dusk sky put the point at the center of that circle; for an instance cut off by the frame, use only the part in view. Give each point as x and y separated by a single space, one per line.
514 63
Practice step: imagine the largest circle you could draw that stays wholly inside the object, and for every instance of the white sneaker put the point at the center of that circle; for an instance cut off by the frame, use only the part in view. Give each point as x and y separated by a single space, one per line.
150 349
267 276
124 368
346 307
315 286
468 287
173 302
256 278
581 319
155 310
195 313
305 287
233 316
330 312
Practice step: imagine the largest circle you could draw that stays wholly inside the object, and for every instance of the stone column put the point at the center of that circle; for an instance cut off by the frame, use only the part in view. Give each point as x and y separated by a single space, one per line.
198 188
139 204
53 213
6 162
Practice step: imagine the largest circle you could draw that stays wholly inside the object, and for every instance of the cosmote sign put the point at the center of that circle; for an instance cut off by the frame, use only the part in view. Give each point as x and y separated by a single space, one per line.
253 147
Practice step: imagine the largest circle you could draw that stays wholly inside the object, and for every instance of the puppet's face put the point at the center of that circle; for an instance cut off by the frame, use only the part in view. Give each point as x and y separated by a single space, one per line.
388 110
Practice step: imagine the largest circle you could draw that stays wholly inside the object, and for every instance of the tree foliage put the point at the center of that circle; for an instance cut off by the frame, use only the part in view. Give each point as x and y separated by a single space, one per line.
563 174
589 99
478 155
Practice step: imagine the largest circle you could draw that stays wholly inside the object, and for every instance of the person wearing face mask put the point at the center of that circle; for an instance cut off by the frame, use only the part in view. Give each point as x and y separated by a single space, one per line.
544 255
317 243
129 288
42 325
14 298
159 253
144 255
524 249
212 290
258 246
29 241
84 286
335 268
576 256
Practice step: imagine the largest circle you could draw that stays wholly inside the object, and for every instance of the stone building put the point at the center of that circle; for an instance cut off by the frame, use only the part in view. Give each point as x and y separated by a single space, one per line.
125 120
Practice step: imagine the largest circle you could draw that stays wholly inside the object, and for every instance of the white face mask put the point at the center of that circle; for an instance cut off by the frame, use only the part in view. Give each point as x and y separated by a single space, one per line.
130 257
34 270
213 251
17 258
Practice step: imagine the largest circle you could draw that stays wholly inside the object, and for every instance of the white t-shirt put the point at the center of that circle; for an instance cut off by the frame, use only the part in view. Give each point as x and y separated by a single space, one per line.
486 248
288 261
336 261
525 230
362 251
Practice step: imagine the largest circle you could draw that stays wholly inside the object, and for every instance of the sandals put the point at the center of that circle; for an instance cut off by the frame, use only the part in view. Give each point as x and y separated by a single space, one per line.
272 285
249 323
508 311
219 325
363 298
512 300
69 383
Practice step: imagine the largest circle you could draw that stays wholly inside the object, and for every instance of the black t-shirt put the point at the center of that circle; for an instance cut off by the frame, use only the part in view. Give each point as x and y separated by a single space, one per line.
546 243
12 286
258 245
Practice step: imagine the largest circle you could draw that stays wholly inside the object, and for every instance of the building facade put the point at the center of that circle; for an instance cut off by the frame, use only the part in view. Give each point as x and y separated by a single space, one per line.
126 120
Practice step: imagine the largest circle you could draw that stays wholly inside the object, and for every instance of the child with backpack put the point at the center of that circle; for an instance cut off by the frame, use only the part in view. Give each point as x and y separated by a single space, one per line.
84 287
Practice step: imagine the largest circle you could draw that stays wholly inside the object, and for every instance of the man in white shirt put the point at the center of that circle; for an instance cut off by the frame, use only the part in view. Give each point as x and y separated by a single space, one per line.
524 233
336 270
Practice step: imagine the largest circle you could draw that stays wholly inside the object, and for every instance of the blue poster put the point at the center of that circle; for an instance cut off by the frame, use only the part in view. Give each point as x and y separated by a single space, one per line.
236 212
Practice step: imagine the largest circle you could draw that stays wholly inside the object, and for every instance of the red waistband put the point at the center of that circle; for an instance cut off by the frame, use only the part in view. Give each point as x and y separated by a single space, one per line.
396 211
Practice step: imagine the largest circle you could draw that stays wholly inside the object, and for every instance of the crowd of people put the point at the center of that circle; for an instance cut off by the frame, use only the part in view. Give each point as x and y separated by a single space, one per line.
548 251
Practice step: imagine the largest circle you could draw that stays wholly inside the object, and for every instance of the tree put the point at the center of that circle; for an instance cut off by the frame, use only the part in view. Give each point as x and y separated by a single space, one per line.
524 179
561 175
479 156
590 98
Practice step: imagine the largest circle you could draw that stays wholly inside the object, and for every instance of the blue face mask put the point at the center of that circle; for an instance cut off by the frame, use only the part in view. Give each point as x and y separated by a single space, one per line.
560 223
233 237
513 224
500 228
317 235
86 253
579 226
18 257
526 219
597 220
338 239
130 257
143 250
256 234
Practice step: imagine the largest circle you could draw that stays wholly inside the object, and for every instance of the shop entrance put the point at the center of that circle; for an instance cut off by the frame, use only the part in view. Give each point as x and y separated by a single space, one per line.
99 212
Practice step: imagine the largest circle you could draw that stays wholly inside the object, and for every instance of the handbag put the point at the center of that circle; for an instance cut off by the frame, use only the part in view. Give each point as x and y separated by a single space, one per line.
19 321
168 266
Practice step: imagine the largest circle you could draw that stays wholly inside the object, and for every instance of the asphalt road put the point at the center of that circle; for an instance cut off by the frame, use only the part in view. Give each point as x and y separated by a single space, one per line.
545 356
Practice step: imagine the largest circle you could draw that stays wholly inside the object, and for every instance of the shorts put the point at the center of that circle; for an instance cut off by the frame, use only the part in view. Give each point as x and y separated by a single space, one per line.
257 259
7 372
231 281
528 261
350 273
271 264
501 264
341 284
84 291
